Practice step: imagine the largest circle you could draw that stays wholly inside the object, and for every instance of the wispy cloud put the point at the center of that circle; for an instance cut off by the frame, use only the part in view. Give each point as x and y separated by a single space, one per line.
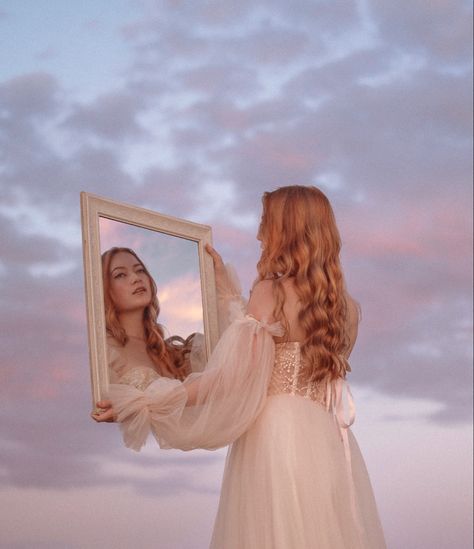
220 102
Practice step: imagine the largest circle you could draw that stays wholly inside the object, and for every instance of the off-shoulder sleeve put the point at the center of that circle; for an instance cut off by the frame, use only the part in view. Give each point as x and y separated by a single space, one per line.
115 361
197 355
230 393
229 293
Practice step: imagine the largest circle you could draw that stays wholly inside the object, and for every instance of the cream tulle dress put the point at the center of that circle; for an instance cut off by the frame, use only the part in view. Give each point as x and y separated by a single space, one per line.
294 476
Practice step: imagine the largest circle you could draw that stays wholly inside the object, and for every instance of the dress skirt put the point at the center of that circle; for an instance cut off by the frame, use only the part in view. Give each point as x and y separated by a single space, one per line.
286 484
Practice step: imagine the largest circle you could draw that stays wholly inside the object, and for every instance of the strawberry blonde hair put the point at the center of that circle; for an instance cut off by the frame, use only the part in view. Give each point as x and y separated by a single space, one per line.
300 240
165 356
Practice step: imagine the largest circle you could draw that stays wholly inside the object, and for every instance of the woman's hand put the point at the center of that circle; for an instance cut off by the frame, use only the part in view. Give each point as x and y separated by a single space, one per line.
222 278
217 259
104 412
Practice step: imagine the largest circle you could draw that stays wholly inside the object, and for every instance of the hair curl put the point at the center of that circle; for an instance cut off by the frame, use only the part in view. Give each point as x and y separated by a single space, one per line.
300 240
167 358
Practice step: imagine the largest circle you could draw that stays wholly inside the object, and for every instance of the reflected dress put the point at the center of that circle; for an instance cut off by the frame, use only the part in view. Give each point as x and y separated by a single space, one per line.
120 370
294 475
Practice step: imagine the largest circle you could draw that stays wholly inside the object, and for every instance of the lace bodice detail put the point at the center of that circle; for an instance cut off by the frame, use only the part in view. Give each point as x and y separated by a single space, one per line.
120 372
288 374
139 376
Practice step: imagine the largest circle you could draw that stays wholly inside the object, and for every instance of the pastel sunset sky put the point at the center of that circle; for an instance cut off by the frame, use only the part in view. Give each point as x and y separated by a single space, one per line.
194 109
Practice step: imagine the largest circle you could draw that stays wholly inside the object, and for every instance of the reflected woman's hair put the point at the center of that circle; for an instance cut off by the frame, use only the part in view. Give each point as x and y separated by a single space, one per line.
168 358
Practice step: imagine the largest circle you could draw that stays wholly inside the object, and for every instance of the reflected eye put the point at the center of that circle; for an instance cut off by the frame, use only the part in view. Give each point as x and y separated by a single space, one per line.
119 275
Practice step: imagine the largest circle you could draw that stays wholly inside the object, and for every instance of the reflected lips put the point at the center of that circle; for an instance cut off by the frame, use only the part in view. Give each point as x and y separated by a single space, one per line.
139 290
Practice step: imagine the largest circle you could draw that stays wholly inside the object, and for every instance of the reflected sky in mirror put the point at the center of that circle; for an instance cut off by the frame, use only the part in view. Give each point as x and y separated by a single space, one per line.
173 263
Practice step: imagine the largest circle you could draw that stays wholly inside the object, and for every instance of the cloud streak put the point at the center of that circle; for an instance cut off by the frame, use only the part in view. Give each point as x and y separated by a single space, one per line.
220 103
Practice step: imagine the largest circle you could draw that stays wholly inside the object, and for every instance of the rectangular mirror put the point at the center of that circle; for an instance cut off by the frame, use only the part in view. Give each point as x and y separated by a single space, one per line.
148 254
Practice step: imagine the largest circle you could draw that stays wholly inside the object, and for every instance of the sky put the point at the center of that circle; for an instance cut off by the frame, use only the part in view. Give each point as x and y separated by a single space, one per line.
194 109
173 263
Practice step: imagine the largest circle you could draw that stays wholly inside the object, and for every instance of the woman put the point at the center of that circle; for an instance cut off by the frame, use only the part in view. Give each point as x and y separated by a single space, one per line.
137 351
294 475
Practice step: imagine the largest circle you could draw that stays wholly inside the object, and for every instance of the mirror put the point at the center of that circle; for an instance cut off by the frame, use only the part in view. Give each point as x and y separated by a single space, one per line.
157 252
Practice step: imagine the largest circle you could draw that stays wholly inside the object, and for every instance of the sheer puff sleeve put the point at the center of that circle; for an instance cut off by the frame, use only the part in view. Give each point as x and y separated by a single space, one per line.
209 409
229 296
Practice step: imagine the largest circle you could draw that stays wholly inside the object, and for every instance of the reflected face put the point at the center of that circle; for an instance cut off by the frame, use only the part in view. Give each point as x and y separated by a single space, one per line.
130 286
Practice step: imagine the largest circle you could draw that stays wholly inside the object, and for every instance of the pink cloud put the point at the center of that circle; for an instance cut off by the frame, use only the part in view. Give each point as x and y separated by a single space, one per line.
115 233
181 305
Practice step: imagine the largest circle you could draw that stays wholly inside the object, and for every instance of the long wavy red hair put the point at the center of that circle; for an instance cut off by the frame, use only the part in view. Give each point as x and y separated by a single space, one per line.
164 355
300 240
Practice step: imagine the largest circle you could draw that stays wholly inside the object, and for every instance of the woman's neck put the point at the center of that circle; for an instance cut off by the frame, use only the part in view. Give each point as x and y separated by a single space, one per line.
132 323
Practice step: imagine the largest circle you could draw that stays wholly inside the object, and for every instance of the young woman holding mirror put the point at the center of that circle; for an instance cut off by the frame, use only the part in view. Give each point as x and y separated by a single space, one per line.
294 477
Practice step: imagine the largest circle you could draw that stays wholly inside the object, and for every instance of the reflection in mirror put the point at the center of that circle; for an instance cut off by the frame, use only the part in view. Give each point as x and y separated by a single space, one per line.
152 304
150 294
174 265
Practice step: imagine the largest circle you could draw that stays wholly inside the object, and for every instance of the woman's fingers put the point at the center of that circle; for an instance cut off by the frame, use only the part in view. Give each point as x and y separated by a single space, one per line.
103 412
215 256
212 252
107 416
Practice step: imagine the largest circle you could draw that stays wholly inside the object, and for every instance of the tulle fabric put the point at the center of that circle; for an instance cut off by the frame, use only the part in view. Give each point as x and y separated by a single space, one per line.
286 485
229 297
231 392
294 476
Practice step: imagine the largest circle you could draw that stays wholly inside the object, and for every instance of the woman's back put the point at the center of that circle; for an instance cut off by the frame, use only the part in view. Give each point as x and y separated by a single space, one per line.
289 479
262 304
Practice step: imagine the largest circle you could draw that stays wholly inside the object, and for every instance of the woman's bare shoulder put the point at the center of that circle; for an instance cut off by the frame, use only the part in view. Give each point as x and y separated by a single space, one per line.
354 311
261 287
261 299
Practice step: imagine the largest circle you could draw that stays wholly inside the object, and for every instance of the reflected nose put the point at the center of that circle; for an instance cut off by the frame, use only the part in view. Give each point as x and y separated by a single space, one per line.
135 278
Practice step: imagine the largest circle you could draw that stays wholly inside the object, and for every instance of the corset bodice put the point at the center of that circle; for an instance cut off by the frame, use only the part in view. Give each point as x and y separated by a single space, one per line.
139 376
290 377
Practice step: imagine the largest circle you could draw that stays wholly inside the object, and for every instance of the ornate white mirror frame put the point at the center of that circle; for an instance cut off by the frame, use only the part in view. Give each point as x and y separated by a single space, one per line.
92 209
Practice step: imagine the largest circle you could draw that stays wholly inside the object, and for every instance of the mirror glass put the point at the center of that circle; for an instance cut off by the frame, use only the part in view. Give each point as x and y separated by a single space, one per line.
173 263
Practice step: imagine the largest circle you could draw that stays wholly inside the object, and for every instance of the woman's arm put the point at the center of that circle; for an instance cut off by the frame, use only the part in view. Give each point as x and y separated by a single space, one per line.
260 304
260 307
210 409
352 322
228 289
